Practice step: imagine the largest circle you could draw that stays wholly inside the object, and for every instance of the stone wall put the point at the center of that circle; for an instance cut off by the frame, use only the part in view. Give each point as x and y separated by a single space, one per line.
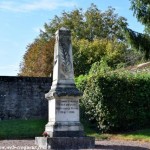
23 97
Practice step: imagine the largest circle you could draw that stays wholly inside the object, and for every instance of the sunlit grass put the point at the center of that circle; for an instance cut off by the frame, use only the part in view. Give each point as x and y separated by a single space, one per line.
23 129
139 135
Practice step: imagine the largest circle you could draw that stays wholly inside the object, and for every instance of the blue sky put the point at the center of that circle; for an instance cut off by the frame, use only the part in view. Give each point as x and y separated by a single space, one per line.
21 21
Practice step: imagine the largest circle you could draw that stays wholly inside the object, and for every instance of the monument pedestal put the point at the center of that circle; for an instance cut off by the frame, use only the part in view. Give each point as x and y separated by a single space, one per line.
64 130
65 142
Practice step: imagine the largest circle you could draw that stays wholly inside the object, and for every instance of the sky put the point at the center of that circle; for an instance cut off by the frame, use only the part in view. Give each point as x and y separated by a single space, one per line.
21 21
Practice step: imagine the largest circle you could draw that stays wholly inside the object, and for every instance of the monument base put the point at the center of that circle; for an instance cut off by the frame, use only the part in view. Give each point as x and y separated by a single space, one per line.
65 142
66 134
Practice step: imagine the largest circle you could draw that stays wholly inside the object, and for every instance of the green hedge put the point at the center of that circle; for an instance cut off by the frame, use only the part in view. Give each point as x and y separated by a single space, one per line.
117 101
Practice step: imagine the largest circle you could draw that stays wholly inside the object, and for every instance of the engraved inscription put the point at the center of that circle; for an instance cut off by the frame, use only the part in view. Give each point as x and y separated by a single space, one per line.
67 106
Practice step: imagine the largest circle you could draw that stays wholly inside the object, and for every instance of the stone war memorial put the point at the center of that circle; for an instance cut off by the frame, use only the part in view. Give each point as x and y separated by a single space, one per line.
64 130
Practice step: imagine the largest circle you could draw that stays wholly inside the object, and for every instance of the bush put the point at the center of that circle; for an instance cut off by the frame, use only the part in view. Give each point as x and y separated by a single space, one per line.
81 82
118 101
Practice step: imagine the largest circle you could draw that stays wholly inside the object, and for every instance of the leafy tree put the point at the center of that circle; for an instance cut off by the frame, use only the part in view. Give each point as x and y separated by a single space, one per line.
141 9
86 53
139 41
95 34
38 59
89 25
72 20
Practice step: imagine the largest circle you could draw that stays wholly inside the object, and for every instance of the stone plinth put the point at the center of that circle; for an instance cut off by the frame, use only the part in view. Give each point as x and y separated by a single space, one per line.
65 142
64 117
64 129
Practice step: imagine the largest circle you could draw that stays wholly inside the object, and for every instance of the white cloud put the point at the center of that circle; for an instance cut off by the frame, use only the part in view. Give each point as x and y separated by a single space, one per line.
27 6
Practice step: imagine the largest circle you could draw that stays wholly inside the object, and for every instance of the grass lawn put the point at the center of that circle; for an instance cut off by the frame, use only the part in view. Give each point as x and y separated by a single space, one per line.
21 129
139 135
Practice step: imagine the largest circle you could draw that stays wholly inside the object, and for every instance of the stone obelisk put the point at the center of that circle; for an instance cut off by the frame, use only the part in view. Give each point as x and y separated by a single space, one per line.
64 129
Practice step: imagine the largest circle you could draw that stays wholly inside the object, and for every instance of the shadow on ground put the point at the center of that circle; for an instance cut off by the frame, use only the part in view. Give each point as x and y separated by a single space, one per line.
119 147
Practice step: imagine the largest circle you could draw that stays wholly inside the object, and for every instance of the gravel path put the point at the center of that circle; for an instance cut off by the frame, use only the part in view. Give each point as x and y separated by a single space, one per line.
122 145
101 145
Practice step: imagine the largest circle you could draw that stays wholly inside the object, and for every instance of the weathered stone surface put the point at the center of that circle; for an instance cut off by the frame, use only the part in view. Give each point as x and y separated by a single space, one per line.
73 91
63 97
64 143
63 115
64 128
67 134
63 64
23 97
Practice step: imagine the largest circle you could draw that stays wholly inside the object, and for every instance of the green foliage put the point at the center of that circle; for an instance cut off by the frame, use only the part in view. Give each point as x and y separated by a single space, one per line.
89 25
118 101
99 67
141 10
86 53
139 41
95 34
81 82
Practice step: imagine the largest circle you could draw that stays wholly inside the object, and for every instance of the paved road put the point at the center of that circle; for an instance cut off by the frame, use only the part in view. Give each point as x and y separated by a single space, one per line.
99 145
